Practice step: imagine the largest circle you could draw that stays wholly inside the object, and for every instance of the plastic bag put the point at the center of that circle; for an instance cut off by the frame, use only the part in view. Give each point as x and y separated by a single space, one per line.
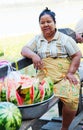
9 84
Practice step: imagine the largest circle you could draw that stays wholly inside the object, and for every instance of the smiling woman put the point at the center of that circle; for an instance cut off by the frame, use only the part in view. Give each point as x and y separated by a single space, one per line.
51 52
47 24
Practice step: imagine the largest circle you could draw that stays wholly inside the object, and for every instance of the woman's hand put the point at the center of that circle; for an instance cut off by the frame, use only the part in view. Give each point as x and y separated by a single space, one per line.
37 61
74 67
71 78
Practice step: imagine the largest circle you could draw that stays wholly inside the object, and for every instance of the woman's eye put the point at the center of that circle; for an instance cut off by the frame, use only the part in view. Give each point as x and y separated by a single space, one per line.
42 22
45 22
48 21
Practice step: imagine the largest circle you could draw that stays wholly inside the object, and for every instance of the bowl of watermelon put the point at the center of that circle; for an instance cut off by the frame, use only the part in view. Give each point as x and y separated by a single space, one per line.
36 98
30 95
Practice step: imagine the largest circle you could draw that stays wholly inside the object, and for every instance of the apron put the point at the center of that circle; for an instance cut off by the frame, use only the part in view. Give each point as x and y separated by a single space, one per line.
57 68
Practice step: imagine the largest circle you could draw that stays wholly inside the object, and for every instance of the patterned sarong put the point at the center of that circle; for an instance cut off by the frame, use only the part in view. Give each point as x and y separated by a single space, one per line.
56 68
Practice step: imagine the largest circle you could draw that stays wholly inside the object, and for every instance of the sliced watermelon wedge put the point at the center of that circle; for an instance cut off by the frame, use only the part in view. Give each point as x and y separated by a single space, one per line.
42 91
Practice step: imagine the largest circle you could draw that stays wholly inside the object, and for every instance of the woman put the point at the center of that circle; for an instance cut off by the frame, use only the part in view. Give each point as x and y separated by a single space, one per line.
57 55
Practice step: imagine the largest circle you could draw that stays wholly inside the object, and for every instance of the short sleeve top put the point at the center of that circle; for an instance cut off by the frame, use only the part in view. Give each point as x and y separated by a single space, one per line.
60 46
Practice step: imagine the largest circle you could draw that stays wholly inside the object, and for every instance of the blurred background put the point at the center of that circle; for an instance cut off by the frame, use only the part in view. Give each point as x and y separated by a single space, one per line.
19 21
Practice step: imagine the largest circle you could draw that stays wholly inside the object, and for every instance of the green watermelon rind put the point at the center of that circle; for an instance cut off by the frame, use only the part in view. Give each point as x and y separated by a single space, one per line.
10 116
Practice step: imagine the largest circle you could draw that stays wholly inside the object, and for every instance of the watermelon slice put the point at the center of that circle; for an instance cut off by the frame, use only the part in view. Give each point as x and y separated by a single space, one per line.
42 90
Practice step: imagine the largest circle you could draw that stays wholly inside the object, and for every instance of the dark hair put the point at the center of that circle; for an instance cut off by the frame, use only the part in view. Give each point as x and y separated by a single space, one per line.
49 12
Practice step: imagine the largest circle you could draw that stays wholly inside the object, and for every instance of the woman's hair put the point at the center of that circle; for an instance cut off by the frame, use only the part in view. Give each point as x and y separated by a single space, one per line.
49 12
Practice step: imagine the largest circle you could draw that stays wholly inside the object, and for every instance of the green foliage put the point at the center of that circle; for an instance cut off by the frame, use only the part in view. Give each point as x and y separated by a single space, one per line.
11 46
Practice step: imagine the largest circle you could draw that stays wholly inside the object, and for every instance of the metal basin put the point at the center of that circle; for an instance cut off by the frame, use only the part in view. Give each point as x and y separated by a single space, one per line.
34 110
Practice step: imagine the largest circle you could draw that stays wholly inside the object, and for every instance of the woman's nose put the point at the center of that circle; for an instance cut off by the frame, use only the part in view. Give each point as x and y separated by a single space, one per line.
46 24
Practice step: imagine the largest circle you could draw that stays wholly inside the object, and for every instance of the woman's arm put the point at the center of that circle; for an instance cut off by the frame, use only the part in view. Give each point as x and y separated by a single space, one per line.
74 67
75 62
37 61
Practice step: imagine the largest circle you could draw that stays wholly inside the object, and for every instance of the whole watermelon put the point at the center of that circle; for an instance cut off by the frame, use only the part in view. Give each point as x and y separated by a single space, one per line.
10 116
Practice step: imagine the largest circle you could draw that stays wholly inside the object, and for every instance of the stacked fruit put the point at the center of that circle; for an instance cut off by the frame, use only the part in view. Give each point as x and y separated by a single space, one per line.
26 91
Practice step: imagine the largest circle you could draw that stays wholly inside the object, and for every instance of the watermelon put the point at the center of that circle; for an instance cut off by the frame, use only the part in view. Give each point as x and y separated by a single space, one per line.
2 91
42 91
3 94
10 116
48 86
35 91
28 90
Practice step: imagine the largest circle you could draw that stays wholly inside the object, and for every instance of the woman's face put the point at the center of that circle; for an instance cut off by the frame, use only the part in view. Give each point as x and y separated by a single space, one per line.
47 25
